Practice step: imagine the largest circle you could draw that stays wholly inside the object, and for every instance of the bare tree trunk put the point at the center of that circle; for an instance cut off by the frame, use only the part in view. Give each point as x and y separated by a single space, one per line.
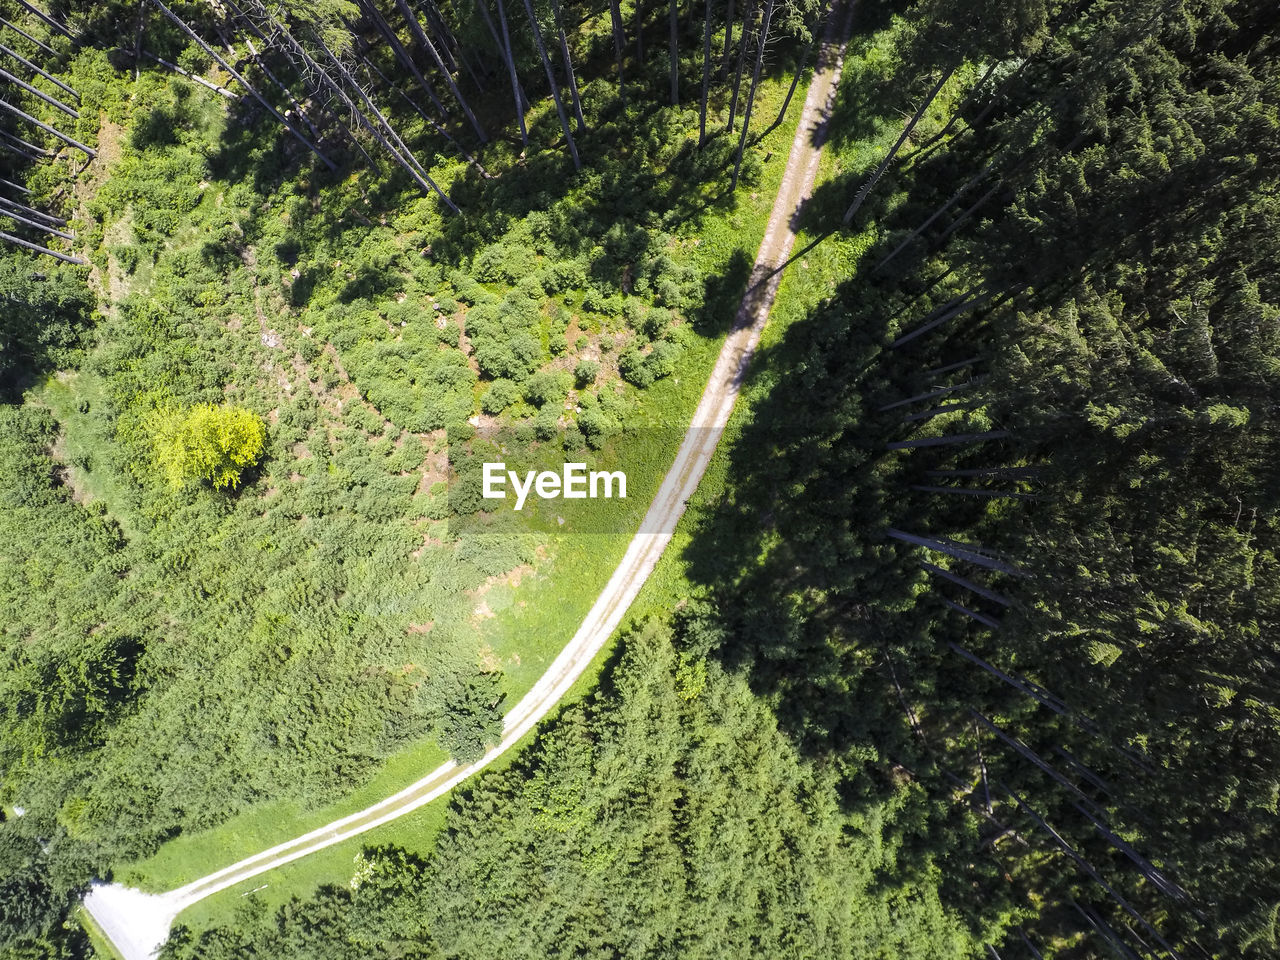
52 101
369 65
15 186
951 367
706 75
18 30
223 91
391 142
425 42
639 31
48 129
19 146
31 212
976 492
949 440
965 552
893 152
938 411
65 257
969 585
968 213
955 197
504 50
747 21
673 50
762 38
795 81
955 116
1011 472
31 66
551 79
619 42
568 66
40 14
181 25
982 618
36 225
511 67
401 54
940 318
1032 690
941 392
727 58
1097 877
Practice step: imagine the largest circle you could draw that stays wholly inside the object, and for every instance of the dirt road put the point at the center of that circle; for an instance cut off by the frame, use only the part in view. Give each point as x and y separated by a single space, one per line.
138 923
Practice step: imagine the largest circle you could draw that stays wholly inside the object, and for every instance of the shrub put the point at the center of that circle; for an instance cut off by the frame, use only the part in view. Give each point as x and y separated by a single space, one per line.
500 395
547 388
206 443
585 373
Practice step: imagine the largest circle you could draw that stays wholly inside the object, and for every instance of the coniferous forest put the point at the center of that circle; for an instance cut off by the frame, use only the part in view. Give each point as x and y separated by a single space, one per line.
967 645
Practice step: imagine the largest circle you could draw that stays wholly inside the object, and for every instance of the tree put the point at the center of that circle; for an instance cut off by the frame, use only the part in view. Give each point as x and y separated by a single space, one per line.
206 442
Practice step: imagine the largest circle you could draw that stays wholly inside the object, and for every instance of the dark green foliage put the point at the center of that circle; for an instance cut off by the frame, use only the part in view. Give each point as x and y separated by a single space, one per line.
655 820
473 717
45 310
585 373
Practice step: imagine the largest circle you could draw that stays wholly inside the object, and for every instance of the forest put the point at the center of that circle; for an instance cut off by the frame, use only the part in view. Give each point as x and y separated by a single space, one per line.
969 646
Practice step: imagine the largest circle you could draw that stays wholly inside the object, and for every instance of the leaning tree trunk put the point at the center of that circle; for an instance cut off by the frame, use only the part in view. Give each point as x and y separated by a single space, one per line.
391 142
31 212
619 42
181 25
747 21
425 42
948 440
568 66
795 79
944 315
511 69
27 244
893 152
673 50
35 69
727 58
48 20
706 75
955 198
555 89
18 30
401 54
371 67
52 101
942 391
36 225
69 141
639 31
761 40
24 148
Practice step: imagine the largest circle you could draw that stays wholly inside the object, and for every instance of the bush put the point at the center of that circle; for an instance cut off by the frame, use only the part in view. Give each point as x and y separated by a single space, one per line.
585 373
546 424
206 443
500 395
513 359
547 388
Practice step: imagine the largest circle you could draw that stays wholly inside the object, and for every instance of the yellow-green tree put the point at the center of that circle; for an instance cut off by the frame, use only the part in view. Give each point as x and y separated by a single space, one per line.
206 442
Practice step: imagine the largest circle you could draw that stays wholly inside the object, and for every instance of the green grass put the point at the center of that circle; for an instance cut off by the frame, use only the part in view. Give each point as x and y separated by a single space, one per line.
102 947
532 621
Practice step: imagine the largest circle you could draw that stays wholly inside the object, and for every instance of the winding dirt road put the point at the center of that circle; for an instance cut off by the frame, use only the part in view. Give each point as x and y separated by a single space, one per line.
138 923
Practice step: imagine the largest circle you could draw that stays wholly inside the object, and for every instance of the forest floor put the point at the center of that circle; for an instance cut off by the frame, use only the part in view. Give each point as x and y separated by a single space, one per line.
133 920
